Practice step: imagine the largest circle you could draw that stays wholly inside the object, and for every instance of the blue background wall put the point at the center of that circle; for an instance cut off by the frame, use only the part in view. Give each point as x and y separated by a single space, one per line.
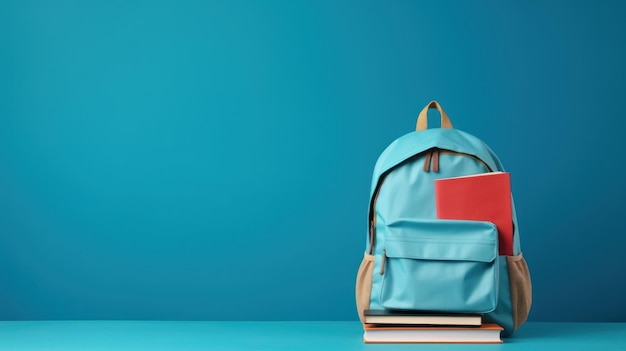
212 160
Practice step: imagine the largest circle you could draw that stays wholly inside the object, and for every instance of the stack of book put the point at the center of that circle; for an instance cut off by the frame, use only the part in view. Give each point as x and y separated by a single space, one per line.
386 326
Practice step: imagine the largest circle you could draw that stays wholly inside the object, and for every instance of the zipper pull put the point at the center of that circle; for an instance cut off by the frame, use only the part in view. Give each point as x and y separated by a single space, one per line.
382 264
428 155
435 158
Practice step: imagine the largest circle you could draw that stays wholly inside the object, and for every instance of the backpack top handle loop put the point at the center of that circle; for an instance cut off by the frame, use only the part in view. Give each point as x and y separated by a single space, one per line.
422 118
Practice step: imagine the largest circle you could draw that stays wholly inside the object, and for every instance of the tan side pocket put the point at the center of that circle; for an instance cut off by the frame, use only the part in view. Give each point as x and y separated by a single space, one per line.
521 289
364 284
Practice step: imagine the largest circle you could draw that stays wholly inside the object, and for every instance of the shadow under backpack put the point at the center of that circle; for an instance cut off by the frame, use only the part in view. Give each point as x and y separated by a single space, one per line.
431 264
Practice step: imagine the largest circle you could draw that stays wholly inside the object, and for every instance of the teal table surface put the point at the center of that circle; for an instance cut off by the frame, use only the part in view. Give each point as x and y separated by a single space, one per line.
324 336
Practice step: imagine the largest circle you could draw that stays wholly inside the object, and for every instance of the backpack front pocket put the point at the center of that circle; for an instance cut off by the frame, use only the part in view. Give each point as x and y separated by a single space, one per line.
440 265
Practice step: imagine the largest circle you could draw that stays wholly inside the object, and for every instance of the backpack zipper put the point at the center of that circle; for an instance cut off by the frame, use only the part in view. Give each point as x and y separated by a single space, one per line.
431 160
450 152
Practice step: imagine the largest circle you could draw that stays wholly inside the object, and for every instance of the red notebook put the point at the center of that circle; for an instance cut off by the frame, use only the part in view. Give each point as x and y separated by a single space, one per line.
479 197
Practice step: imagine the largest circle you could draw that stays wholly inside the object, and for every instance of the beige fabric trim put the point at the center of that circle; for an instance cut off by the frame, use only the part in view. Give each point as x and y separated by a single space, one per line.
422 118
514 258
364 285
521 289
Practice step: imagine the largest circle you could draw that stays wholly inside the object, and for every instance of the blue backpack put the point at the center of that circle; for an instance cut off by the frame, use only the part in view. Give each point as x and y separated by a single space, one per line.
414 261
